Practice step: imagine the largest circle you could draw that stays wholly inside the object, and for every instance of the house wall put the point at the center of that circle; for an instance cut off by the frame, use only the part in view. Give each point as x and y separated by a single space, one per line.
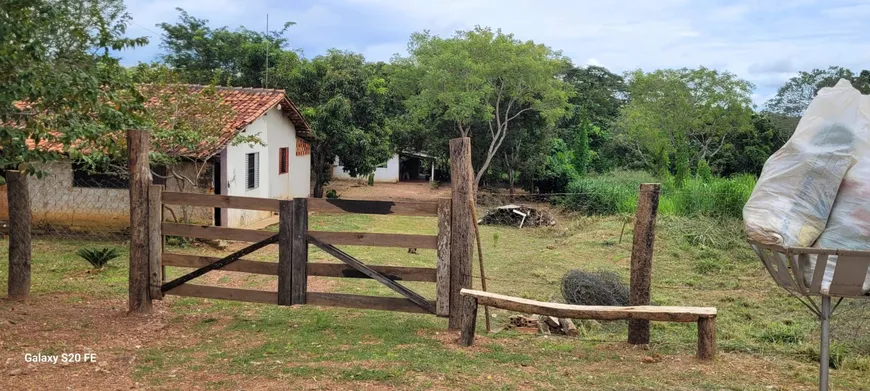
275 131
390 173
236 166
55 203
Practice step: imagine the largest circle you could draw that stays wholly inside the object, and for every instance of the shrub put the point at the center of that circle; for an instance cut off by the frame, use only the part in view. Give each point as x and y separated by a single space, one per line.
559 170
98 257
594 288
331 193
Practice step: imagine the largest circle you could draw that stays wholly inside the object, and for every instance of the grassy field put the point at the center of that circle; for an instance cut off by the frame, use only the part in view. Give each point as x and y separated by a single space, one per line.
766 339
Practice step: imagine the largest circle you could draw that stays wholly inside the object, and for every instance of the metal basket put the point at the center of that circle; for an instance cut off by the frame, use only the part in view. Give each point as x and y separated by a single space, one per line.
790 268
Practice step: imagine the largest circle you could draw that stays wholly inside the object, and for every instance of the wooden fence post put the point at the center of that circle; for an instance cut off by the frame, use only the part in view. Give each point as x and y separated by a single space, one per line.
155 240
706 338
18 196
461 229
442 268
140 180
641 258
299 259
285 252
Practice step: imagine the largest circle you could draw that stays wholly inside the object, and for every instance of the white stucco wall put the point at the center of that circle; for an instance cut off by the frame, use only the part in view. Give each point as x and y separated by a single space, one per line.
390 173
275 131
300 174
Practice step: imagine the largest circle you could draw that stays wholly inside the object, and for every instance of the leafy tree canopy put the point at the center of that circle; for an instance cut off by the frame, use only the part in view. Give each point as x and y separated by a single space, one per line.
484 78
59 81
690 113
346 100
231 57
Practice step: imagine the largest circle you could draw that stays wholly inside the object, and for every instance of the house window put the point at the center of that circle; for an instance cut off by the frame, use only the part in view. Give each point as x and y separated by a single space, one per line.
97 178
252 172
283 160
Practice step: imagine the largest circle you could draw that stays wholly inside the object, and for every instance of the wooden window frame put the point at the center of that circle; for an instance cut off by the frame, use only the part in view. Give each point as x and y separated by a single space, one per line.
283 160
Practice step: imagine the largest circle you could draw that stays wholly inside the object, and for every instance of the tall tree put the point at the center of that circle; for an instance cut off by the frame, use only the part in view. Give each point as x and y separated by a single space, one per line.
203 54
790 101
690 113
346 100
598 95
59 85
484 78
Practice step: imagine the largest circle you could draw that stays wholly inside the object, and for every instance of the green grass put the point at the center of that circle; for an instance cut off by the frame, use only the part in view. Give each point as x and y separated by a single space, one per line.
698 262
616 193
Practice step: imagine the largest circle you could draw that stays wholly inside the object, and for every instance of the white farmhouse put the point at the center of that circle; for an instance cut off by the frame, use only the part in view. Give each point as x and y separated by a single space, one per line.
74 198
402 166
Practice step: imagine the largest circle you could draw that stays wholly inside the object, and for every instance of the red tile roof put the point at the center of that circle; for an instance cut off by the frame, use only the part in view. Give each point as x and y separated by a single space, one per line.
246 105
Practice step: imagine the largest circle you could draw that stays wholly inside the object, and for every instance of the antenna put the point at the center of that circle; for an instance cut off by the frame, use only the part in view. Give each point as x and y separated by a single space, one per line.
268 43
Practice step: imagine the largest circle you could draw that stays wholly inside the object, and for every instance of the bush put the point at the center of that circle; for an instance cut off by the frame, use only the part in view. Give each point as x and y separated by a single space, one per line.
559 170
594 288
98 258
331 193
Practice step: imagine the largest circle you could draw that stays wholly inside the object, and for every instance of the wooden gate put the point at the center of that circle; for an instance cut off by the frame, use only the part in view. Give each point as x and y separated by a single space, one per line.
293 238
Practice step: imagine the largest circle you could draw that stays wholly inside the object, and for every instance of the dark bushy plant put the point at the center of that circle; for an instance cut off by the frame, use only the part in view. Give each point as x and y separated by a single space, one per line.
98 257
594 288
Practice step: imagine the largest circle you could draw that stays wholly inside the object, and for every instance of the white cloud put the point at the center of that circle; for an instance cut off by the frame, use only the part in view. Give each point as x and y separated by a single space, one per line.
763 41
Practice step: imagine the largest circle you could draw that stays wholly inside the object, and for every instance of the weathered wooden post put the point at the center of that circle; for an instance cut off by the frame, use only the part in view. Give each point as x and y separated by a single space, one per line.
641 258
442 269
706 338
292 251
285 252
140 181
155 240
18 196
461 235
299 259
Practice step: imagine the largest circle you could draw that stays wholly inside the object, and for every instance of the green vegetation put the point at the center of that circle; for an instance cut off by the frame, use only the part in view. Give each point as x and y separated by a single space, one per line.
98 257
616 193
760 327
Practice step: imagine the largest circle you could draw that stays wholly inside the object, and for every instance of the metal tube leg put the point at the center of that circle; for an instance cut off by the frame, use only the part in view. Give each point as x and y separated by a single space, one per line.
825 345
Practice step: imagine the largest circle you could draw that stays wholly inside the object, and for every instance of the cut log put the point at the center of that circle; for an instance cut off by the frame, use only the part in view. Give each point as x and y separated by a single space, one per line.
551 321
568 327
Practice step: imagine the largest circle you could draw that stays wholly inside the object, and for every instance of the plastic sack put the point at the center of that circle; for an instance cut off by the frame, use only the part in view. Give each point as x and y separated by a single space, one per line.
795 193
849 223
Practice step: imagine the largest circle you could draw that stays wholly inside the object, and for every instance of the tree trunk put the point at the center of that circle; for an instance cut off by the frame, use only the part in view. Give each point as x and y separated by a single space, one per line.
18 196
318 185
319 173
511 187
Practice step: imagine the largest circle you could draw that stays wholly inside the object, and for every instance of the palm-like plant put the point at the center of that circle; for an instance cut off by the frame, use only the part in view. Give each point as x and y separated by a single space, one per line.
98 257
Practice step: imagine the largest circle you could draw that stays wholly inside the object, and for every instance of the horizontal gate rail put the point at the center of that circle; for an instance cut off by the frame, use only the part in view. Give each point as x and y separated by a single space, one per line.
219 263
396 273
398 208
353 262
329 237
312 298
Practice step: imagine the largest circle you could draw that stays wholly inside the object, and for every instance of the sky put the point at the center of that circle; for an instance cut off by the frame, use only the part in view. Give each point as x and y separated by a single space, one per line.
763 41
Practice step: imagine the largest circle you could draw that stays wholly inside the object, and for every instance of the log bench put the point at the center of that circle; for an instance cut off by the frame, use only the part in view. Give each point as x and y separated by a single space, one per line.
704 316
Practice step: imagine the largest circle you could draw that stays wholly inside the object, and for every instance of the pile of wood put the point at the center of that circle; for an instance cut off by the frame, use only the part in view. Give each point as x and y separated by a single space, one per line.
547 325
517 216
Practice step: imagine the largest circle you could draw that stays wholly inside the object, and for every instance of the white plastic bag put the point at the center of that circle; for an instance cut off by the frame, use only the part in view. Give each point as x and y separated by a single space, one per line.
849 223
793 197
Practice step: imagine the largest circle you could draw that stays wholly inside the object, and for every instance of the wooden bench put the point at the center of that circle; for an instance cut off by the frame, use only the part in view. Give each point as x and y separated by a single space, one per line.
705 316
